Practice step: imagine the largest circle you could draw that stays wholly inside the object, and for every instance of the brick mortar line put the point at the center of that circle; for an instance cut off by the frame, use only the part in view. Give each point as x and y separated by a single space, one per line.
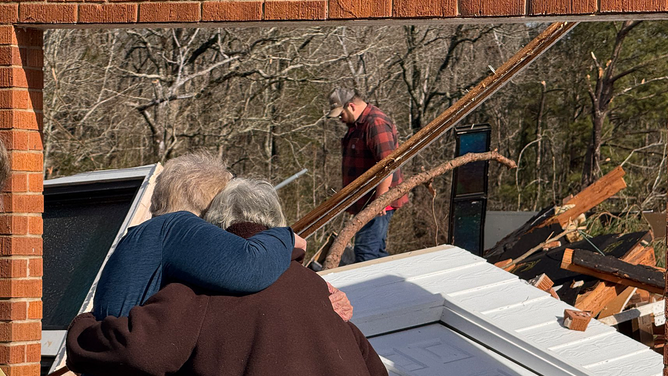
18 257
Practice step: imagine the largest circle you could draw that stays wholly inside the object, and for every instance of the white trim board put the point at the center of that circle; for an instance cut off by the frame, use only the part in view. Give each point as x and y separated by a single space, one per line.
450 285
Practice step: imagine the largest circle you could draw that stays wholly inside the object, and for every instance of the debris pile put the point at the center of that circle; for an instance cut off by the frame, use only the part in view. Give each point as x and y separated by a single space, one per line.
614 277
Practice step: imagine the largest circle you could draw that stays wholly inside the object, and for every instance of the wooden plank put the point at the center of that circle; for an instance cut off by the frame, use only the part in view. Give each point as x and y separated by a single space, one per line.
591 196
329 209
617 304
654 309
614 270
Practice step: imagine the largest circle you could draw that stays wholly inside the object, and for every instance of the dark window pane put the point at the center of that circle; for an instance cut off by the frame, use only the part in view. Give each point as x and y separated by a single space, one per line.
466 226
79 229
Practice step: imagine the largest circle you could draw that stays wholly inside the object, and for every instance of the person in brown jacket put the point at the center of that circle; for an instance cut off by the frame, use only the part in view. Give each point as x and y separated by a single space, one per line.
288 329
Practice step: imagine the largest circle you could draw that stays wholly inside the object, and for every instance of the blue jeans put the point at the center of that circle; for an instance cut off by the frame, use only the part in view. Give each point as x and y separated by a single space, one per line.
370 239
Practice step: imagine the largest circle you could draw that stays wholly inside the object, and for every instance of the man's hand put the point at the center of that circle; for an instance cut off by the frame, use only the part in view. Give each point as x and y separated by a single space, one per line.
340 303
300 243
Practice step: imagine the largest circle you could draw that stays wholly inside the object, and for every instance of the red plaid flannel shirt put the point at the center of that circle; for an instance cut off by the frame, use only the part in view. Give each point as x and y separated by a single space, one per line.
372 138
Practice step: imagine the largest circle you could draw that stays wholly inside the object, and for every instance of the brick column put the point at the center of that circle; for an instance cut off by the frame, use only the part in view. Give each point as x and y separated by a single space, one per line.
21 81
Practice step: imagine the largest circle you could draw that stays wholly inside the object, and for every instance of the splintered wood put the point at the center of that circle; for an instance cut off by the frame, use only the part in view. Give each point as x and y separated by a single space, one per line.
591 196
576 320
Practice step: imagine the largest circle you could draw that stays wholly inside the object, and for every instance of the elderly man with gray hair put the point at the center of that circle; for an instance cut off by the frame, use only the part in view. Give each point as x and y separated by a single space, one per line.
177 245
288 329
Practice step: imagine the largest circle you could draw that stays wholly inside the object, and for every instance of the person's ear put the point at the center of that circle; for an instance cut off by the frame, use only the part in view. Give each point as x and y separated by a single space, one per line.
352 107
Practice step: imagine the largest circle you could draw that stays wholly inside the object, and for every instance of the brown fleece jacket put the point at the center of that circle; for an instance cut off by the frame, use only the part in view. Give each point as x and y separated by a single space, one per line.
288 329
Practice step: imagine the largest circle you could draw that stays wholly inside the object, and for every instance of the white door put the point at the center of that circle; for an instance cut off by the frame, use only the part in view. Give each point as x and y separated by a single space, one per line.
435 350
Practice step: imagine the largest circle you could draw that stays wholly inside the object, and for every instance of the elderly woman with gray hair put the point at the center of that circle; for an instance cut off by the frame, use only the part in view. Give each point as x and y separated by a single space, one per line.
289 328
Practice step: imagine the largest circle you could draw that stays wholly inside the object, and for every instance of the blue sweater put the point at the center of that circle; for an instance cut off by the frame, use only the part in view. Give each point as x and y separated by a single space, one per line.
183 247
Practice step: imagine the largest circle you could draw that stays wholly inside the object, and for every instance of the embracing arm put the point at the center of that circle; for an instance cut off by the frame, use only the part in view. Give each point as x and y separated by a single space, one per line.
156 339
204 255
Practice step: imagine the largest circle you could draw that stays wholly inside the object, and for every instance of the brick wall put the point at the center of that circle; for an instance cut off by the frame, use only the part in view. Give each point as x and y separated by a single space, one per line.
22 201
119 12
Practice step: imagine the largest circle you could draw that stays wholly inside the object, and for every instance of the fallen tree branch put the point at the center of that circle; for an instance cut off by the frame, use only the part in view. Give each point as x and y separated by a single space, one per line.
376 207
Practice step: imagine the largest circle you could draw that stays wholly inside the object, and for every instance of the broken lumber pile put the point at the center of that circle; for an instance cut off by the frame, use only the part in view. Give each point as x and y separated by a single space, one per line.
613 276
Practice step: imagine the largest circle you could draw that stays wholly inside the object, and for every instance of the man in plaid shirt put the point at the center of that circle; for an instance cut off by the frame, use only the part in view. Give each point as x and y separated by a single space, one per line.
371 137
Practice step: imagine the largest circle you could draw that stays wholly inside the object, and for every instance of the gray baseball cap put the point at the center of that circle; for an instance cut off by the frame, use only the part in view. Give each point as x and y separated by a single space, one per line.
337 99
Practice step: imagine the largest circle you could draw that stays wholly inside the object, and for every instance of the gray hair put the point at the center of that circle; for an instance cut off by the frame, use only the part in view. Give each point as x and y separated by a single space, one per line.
189 183
246 200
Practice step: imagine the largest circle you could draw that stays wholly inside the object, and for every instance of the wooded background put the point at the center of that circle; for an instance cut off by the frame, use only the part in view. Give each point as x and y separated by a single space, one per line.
257 97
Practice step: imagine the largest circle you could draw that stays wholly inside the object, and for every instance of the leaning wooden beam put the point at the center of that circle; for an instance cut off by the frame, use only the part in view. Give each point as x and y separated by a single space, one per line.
591 196
614 270
329 209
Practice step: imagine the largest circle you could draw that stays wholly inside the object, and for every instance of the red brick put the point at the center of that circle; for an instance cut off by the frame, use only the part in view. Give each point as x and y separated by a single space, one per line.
9 13
35 57
295 10
15 139
13 77
434 8
35 267
634 5
35 225
20 99
20 331
20 246
20 288
232 11
13 268
33 352
18 139
169 12
8 35
13 310
12 354
29 37
47 13
26 161
32 369
559 7
352 9
13 224
23 203
21 119
35 182
17 182
35 309
107 13
487 8
10 55
20 77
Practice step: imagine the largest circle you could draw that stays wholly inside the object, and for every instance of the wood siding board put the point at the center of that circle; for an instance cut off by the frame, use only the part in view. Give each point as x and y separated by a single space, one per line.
582 353
644 363
502 297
